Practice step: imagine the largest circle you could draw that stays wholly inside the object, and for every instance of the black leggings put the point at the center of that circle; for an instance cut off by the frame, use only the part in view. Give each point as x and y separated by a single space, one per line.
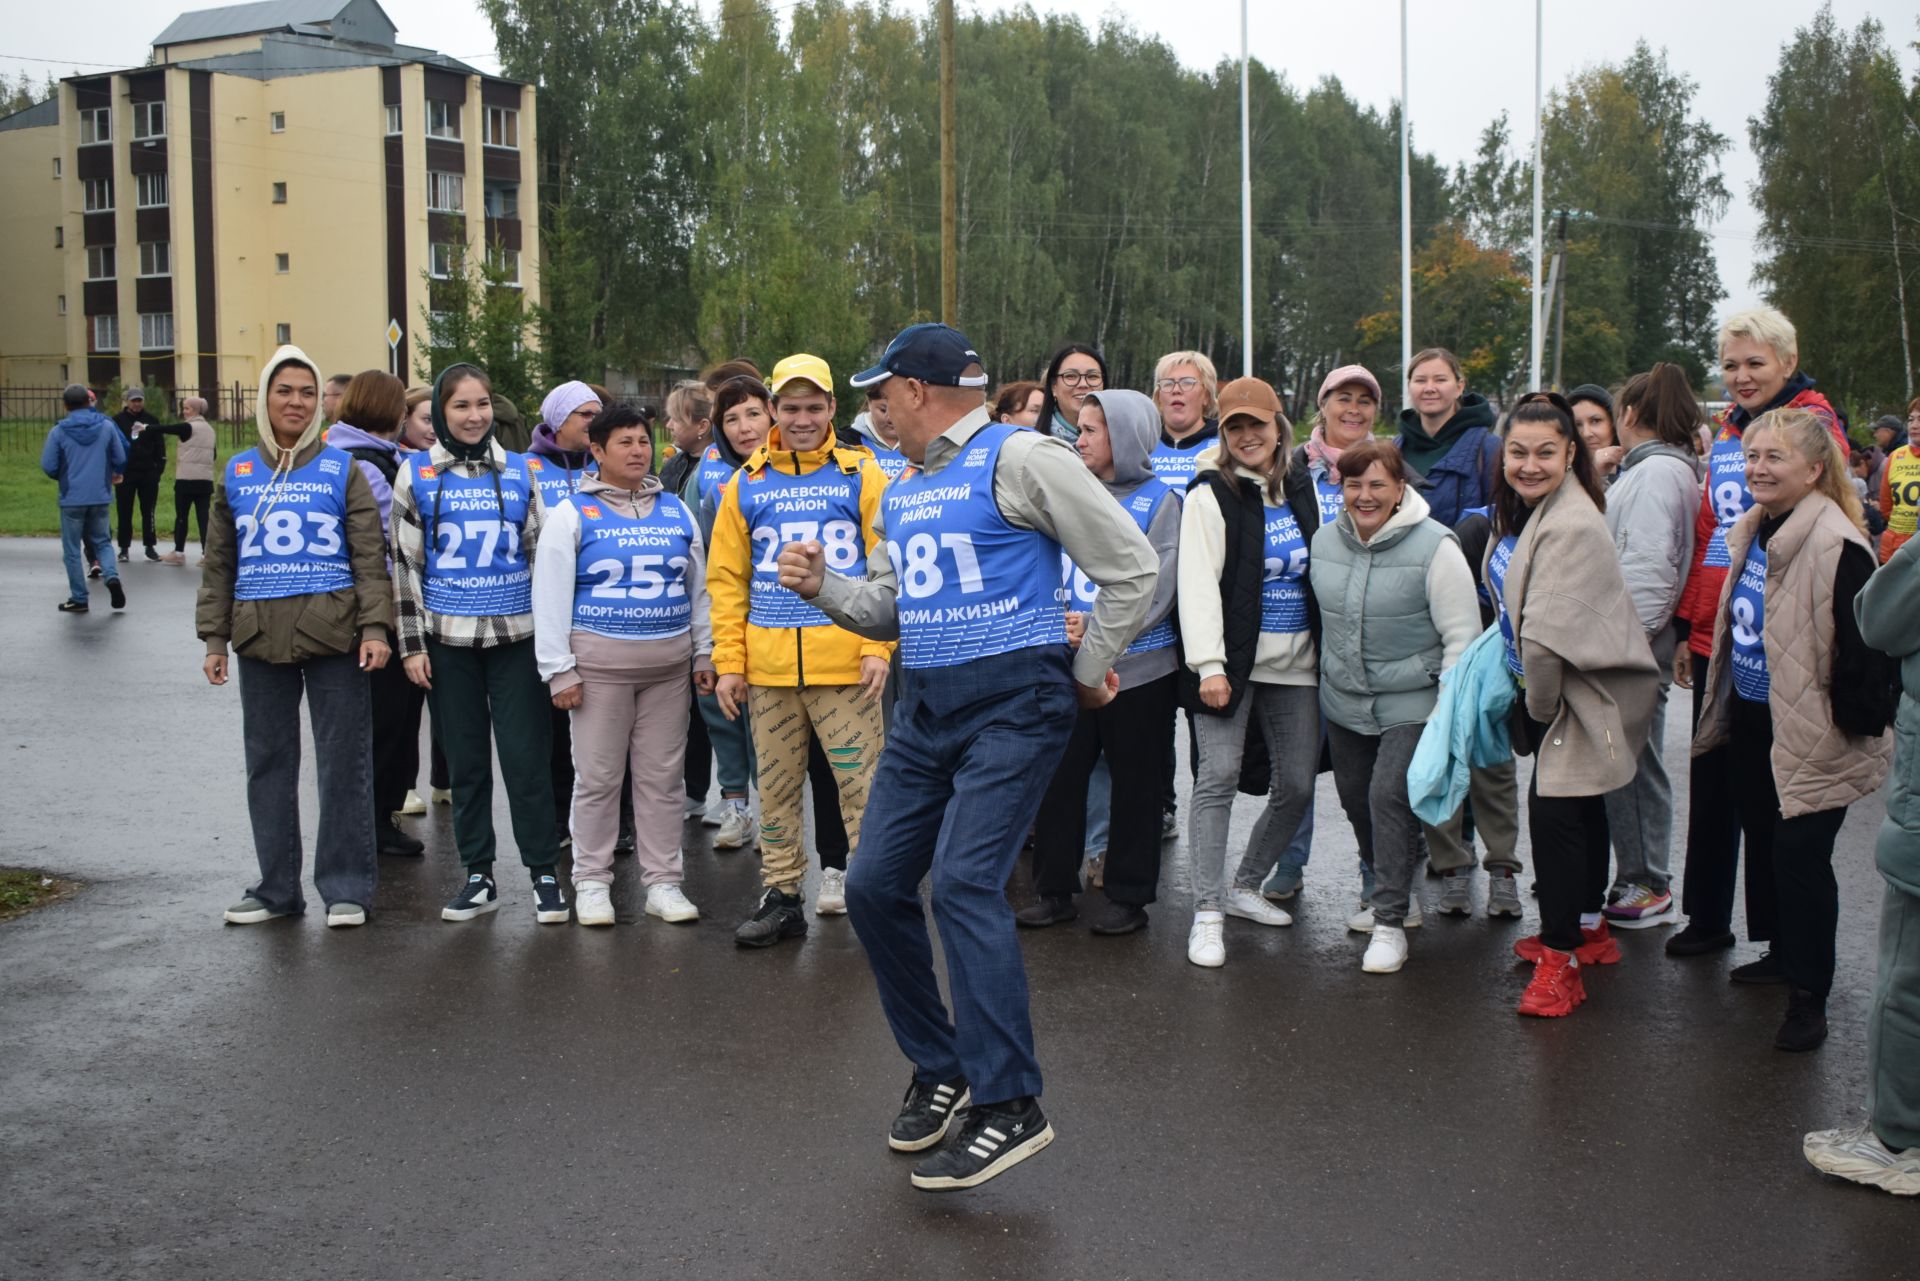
194 495
1571 845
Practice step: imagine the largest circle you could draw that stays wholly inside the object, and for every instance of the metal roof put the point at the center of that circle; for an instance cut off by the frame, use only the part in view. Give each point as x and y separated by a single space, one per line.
37 116
246 19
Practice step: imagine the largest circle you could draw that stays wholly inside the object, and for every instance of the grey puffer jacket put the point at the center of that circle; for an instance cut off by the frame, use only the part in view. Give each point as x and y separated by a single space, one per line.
1651 508
1888 611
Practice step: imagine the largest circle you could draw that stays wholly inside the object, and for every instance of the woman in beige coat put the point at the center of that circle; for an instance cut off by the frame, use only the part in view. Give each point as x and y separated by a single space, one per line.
1588 683
1798 698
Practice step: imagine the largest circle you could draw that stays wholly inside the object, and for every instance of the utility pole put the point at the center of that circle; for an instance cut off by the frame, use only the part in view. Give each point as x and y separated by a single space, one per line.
1406 223
1559 295
1246 209
1539 87
949 183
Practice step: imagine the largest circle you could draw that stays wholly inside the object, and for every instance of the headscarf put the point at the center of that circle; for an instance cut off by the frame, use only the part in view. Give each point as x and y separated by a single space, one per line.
481 451
563 400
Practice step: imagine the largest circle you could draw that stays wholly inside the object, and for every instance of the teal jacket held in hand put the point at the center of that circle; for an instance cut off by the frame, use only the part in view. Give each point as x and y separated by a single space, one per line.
1468 729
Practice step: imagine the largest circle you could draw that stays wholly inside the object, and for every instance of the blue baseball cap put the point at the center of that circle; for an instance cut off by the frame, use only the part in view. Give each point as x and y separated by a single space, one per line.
937 354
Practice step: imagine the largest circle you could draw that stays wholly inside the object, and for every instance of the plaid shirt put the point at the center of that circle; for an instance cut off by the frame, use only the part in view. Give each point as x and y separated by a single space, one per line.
408 538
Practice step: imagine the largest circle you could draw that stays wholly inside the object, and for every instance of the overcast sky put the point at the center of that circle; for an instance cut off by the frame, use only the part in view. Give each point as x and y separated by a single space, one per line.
1471 60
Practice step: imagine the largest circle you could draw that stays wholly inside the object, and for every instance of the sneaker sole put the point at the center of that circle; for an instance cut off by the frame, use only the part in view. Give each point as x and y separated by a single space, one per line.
1244 915
781 937
596 921
345 922
1206 965
1857 1170
733 845
1513 913
252 918
933 1140
1382 969
561 917
999 1166
468 913
837 908
675 917
1668 917
1461 910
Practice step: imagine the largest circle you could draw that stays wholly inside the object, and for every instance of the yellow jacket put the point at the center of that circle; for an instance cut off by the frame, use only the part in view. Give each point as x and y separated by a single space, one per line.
786 656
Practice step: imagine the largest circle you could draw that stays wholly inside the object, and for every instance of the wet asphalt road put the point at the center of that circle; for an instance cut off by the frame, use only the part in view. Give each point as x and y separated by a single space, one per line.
501 1099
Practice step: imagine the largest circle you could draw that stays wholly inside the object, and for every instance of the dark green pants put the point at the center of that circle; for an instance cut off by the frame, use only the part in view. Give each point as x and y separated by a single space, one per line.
484 698
1893 1024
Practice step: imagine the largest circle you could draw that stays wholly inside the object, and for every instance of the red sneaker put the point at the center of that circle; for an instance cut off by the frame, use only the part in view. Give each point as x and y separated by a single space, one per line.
1598 949
1556 987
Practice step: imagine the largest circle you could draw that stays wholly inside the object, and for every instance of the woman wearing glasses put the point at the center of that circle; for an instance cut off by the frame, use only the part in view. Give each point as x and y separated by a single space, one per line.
1075 371
1186 390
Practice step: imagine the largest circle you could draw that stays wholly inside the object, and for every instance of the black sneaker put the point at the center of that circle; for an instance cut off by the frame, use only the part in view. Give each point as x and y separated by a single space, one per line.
152 554
926 1113
94 571
549 903
73 607
388 839
1119 918
116 593
1046 910
124 558
993 1138
476 898
1765 972
779 916
1806 1023
1695 939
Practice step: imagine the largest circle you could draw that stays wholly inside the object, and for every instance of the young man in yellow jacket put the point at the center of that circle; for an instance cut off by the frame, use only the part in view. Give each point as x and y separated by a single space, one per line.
788 664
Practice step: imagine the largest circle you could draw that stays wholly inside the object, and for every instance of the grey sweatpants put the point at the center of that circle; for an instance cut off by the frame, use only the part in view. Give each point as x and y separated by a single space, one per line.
1494 794
1640 815
1290 721
1893 1026
1371 773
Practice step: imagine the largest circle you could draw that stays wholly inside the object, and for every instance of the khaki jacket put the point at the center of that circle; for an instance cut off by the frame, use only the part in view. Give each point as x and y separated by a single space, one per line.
1591 678
1816 765
296 628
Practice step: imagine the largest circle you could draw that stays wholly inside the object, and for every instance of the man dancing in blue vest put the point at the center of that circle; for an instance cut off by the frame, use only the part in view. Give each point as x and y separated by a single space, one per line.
970 586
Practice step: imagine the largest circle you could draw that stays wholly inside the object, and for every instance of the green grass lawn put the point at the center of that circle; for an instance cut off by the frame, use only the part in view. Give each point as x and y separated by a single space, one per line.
29 501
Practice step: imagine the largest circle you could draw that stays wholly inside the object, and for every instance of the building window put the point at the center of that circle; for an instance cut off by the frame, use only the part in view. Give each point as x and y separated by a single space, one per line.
63 373
56 167
440 262
156 330
439 327
446 192
96 125
60 305
151 192
99 195
393 118
507 263
149 120
106 333
282 263
283 334
154 258
443 119
100 262
503 200
279 193
60 237
276 122
503 127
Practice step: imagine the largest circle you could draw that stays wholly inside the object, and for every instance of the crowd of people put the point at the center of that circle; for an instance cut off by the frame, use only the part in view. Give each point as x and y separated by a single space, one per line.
967 622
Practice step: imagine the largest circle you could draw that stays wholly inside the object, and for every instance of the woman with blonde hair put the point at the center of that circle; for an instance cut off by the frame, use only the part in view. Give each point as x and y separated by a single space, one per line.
1797 700
1186 389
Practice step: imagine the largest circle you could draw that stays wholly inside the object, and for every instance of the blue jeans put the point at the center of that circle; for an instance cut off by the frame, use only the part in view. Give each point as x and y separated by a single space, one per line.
732 746
88 524
966 763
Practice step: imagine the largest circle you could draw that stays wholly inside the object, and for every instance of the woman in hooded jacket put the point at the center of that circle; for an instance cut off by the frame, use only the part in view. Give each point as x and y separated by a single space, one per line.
1650 511
295 580
1588 684
1397 609
1447 437
466 526
1117 434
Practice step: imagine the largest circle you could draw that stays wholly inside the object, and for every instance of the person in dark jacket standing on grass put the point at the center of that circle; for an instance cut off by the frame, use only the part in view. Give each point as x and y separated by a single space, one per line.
295 579
146 463
88 457
1447 437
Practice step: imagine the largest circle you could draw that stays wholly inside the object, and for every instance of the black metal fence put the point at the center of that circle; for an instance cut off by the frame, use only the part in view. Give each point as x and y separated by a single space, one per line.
27 412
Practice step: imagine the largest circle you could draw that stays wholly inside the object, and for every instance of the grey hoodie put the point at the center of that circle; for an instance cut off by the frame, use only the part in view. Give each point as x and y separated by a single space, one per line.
1651 508
1133 428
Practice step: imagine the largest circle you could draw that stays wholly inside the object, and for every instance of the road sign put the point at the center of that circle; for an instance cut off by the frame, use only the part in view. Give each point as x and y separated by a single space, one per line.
393 333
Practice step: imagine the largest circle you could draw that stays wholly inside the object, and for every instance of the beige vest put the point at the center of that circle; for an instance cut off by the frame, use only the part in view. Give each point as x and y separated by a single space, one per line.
1816 765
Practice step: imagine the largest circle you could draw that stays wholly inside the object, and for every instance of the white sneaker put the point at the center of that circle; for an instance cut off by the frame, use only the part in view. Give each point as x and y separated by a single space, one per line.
712 816
413 804
593 903
1206 941
1361 922
669 903
832 899
736 828
1248 905
696 807
1387 951
1857 1153
442 795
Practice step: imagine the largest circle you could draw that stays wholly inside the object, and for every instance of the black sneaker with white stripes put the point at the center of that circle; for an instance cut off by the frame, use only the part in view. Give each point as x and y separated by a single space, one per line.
993 1138
927 1112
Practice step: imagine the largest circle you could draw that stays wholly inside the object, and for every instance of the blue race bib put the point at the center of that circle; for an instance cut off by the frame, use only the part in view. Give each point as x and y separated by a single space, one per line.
476 566
1283 588
630 576
823 506
1748 606
1727 493
1177 464
1497 581
1081 591
291 533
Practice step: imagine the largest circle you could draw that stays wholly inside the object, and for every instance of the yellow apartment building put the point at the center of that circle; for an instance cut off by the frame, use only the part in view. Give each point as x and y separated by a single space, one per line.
281 172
